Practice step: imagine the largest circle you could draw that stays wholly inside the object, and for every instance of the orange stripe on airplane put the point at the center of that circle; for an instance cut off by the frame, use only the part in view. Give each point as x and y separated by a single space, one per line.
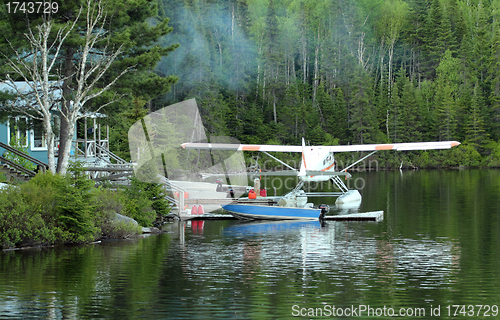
384 147
250 148
328 167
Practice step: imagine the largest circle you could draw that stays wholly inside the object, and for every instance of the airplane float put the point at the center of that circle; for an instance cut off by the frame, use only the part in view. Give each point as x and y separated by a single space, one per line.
317 164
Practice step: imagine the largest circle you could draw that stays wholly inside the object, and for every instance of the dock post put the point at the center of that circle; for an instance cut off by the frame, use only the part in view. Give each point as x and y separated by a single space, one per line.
181 202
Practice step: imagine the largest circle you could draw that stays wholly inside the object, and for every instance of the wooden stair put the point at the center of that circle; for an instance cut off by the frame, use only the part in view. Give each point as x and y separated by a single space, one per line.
15 172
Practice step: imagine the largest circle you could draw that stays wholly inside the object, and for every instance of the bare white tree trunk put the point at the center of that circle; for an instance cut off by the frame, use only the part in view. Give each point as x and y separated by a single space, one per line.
390 80
316 70
65 153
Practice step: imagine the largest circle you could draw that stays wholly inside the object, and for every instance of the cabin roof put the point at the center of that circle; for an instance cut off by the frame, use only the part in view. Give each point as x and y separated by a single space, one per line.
7 86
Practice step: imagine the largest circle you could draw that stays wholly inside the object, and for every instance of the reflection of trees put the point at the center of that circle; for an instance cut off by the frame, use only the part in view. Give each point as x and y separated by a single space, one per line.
76 281
440 251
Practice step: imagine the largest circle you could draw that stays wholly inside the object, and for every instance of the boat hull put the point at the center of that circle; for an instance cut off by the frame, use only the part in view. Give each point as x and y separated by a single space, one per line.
255 212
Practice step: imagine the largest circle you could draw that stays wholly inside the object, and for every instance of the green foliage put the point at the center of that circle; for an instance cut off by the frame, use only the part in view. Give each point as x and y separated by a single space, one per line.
68 209
493 159
122 122
64 205
22 223
145 202
139 209
17 143
76 207
463 155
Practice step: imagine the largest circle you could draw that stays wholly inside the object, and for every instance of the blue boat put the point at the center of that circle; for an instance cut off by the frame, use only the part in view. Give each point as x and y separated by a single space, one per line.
260 212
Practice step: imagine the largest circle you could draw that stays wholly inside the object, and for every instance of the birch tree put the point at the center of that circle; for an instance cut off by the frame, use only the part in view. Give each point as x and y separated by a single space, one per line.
97 54
38 69
36 95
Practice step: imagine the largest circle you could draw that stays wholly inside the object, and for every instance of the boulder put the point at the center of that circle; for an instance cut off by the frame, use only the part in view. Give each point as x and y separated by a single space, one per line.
122 218
151 230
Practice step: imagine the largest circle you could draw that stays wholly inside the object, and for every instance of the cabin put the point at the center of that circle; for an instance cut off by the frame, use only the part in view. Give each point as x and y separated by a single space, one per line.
90 142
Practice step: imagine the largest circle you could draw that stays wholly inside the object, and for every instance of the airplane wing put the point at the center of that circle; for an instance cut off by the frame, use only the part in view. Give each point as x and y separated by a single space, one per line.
396 146
241 147
347 148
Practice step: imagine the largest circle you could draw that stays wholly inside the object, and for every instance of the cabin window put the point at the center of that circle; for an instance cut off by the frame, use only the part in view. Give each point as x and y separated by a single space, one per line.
38 136
18 132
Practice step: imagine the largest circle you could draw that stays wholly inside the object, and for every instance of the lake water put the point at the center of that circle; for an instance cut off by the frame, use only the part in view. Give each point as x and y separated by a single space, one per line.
436 254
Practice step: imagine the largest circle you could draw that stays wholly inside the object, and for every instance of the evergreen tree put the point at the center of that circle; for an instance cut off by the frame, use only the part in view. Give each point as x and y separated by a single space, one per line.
457 20
123 121
478 58
394 119
432 44
446 121
362 125
493 124
327 108
340 119
334 112
415 34
475 132
410 115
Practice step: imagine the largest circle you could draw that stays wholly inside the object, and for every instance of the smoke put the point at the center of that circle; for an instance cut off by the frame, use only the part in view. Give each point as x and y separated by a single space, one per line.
213 49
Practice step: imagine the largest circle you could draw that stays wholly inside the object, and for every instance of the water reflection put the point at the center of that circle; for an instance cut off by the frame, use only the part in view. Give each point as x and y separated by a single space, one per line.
429 250
311 260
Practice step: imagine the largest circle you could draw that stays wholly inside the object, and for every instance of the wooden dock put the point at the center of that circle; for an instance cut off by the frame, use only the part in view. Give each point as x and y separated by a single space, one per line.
365 216
259 201
207 216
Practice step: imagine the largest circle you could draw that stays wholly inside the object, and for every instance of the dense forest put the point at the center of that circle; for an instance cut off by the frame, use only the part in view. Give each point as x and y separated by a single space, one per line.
342 72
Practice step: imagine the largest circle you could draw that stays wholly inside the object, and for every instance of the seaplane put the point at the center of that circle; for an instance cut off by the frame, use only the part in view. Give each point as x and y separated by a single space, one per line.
158 144
317 165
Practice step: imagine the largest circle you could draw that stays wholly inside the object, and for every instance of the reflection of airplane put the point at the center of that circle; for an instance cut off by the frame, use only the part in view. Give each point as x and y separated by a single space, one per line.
318 162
